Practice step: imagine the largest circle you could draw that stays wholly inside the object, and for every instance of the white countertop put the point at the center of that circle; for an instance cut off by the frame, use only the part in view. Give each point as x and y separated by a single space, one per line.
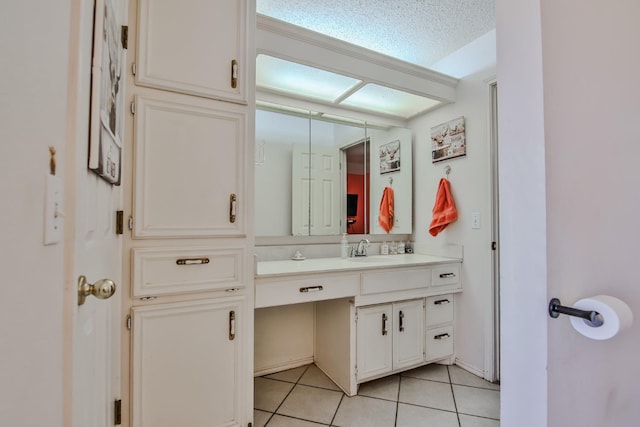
330 265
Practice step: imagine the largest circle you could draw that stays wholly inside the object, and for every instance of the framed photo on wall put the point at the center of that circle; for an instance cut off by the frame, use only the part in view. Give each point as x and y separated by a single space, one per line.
107 103
448 140
389 157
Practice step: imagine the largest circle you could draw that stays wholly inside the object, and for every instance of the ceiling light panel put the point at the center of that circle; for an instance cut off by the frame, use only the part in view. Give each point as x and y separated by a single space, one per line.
382 99
286 76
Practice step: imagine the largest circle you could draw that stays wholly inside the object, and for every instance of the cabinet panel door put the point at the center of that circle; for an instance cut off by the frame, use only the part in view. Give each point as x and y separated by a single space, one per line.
188 46
189 156
374 341
408 333
186 364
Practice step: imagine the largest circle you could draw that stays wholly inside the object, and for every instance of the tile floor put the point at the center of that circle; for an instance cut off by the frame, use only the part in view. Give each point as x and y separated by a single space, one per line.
432 395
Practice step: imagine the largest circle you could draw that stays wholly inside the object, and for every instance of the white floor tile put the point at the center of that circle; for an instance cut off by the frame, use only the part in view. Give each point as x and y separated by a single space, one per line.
260 418
431 372
361 411
471 421
417 416
268 394
383 388
477 401
290 375
280 421
316 378
426 393
461 377
311 403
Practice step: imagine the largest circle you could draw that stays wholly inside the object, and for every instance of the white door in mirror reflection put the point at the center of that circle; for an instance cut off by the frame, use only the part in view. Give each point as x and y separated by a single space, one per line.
315 190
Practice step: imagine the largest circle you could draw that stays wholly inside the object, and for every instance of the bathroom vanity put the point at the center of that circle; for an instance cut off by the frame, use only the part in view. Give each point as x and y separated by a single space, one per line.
371 316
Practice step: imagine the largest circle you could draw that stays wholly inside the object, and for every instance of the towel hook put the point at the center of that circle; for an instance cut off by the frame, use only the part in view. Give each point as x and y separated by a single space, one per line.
447 171
390 180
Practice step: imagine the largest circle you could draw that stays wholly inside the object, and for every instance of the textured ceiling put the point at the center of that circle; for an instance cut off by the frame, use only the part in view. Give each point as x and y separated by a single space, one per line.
421 32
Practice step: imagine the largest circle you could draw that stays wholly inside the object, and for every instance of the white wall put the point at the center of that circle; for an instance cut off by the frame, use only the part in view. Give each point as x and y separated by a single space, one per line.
591 110
34 40
471 189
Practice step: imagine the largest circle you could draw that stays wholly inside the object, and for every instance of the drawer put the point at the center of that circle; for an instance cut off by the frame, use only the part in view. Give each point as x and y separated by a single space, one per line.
439 343
439 309
448 274
165 271
274 291
390 281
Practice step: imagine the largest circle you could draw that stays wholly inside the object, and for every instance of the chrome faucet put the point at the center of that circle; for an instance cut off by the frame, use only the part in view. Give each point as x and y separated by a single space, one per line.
361 249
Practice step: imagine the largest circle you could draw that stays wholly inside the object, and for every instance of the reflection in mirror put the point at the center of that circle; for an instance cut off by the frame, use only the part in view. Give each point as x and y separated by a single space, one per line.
302 190
357 156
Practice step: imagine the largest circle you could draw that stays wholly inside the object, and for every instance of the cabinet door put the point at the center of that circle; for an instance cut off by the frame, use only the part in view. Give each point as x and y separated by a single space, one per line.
408 333
193 47
374 342
189 167
186 361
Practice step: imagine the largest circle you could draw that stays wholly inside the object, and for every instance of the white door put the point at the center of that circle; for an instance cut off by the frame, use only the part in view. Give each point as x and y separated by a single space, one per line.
94 249
315 190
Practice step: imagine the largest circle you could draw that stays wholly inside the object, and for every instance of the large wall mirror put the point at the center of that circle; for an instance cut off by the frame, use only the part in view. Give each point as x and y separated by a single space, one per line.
321 175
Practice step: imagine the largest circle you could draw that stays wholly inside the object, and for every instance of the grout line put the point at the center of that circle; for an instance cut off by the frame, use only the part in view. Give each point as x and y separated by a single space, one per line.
337 408
455 405
398 400
285 398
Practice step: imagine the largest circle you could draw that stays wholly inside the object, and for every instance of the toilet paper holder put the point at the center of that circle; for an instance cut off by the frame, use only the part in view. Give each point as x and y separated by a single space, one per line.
591 318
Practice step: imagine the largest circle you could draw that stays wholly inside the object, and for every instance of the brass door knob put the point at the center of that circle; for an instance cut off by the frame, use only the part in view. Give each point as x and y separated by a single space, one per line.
102 289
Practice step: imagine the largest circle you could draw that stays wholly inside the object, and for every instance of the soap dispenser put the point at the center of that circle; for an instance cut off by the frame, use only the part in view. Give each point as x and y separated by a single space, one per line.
344 247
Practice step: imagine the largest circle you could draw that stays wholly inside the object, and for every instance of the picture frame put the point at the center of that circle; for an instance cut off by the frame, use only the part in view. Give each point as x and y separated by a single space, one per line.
107 102
389 157
448 140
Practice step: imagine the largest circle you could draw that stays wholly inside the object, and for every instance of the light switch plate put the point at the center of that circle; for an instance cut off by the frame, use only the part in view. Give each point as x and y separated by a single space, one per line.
475 220
53 216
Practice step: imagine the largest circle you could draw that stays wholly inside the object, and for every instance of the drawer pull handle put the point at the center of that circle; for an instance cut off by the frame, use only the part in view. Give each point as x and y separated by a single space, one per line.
384 324
232 325
447 275
234 74
192 261
441 302
442 336
401 316
312 289
233 204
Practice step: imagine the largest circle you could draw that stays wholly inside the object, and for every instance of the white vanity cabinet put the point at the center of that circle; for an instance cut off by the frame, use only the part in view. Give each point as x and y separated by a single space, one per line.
188 183
187 362
194 47
390 337
370 317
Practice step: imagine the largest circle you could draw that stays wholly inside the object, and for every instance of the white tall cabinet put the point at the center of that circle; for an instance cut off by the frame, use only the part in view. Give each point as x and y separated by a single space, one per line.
188 180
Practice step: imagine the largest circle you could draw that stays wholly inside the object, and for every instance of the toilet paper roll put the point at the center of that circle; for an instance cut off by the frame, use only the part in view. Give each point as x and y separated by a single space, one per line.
616 314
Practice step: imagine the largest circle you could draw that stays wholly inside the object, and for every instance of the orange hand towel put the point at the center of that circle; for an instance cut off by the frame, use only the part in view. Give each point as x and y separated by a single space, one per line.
444 210
385 218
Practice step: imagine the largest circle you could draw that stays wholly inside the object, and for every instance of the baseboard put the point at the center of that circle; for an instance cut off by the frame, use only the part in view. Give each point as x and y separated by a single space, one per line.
291 364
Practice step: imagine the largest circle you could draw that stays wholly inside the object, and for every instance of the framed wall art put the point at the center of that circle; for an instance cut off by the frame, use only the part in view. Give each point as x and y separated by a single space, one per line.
107 119
448 140
389 157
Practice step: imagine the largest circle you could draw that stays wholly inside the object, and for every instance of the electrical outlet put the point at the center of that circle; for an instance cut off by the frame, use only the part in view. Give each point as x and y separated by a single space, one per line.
475 220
